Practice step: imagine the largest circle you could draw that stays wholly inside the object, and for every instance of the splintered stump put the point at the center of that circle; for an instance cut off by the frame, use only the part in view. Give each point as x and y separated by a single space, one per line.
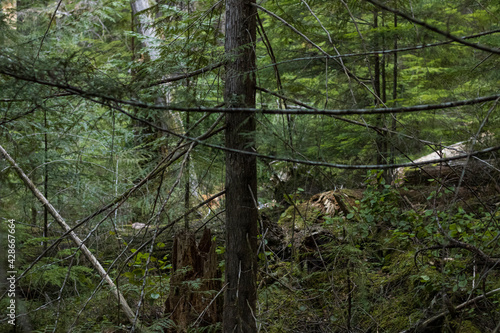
194 283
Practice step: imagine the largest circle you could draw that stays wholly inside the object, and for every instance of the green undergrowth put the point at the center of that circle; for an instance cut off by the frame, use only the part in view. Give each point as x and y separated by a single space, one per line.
387 267
380 265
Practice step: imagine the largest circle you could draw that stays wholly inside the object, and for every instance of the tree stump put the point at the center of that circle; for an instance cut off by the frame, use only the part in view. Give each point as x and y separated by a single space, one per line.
195 282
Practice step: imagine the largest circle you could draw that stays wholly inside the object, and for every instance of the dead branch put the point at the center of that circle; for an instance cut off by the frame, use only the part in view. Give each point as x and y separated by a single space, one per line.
420 327
59 219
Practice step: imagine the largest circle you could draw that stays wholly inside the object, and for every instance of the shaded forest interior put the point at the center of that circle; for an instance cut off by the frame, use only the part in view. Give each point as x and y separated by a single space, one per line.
243 166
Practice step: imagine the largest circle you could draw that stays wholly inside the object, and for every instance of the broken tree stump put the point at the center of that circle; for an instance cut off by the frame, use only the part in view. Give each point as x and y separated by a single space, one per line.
195 283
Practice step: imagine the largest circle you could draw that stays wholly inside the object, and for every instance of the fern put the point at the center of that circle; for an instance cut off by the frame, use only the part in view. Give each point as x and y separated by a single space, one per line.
161 325
46 277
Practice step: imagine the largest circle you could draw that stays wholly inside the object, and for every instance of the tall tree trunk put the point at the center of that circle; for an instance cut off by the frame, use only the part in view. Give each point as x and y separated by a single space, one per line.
45 181
394 89
187 187
377 79
241 170
144 24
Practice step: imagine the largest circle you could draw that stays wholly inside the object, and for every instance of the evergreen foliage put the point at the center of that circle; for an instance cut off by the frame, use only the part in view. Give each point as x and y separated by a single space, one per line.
91 115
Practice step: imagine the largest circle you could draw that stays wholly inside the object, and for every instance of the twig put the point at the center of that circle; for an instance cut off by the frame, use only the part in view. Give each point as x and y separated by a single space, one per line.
435 29
211 301
423 324
48 28
186 75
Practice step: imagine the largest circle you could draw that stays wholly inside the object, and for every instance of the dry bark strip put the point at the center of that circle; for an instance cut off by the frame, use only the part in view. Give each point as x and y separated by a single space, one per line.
93 260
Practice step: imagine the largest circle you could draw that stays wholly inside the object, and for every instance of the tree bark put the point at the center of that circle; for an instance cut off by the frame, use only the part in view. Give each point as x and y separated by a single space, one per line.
145 26
394 92
45 181
142 16
241 171
381 140
189 306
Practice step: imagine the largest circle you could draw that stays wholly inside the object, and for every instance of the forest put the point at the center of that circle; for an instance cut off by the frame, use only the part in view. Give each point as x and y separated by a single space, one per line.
250 166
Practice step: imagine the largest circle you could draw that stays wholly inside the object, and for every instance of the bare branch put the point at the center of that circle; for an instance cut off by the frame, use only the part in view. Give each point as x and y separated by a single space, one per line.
291 27
421 325
48 28
456 244
93 95
435 29
305 162
365 111
350 121
187 75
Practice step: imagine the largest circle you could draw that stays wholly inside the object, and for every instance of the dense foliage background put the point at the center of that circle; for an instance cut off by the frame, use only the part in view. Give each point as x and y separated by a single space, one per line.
105 108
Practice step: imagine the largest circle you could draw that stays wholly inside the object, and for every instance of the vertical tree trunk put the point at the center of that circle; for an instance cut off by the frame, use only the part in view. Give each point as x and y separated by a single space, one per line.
144 24
376 61
45 181
394 88
241 171
380 140
187 187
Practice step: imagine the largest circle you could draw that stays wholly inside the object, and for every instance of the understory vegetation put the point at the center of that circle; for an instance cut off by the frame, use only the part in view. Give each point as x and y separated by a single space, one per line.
375 139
